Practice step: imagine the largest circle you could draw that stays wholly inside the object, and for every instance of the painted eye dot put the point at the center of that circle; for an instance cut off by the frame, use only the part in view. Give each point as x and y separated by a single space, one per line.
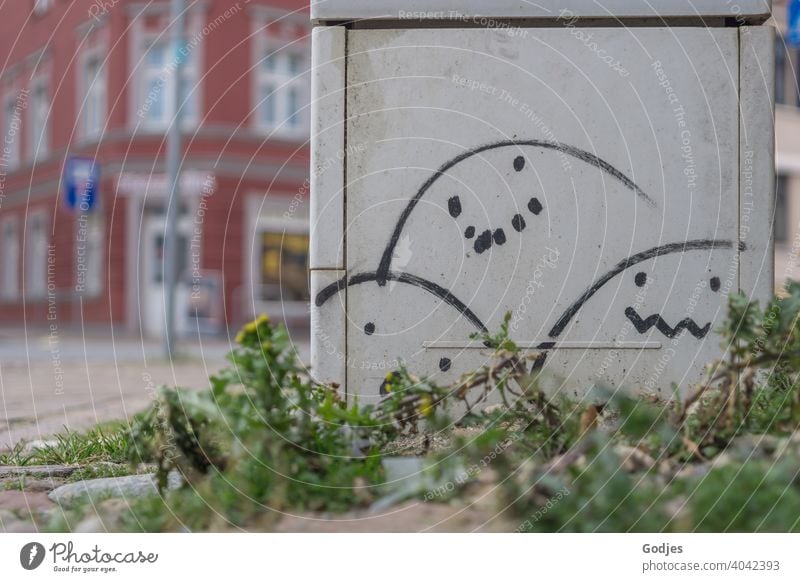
714 283
518 222
534 205
454 206
444 364
470 232
369 329
519 163
483 242
640 279
499 236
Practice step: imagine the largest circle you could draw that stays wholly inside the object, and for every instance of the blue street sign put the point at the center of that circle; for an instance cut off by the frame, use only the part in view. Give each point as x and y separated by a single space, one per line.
793 24
81 183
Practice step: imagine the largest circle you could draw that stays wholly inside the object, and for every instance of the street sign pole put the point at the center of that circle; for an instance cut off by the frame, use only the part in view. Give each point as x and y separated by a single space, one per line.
173 172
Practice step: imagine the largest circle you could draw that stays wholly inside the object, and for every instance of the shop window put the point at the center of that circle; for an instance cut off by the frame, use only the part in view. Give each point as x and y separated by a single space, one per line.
284 266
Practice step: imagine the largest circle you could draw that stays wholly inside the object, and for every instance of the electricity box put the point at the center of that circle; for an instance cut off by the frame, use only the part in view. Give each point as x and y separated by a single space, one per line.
601 171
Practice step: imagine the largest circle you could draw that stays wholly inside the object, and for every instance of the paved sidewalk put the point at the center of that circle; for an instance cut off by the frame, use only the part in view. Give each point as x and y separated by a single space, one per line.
76 382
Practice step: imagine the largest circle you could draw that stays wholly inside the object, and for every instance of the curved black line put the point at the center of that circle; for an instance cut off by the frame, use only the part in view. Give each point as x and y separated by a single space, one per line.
692 245
408 279
644 325
589 158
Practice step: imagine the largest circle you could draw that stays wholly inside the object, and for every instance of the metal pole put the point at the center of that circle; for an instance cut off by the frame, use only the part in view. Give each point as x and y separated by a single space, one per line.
173 173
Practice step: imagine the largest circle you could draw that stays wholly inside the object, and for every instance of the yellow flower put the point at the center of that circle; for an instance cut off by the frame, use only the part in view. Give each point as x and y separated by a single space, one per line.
425 407
389 377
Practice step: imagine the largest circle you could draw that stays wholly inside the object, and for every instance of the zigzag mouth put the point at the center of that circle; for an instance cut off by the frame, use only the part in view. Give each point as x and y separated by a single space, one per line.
655 320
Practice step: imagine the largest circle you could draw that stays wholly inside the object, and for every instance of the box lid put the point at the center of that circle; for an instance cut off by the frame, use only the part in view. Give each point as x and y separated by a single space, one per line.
467 10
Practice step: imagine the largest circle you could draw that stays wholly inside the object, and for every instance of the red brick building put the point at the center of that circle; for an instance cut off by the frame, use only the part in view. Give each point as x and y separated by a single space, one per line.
90 79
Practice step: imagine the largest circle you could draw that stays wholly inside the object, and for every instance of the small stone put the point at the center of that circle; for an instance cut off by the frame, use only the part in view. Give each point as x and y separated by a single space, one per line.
110 487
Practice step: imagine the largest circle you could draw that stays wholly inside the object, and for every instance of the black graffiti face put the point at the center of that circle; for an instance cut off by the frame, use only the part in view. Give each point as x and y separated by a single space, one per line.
483 240
645 324
505 226
510 223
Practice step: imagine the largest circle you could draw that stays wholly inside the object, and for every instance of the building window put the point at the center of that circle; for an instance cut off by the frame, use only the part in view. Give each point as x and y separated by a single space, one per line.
780 70
781 216
38 140
94 96
12 126
9 286
282 92
156 77
284 263
36 256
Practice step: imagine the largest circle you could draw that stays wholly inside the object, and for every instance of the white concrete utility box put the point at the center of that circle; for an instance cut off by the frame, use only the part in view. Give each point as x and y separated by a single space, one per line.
601 170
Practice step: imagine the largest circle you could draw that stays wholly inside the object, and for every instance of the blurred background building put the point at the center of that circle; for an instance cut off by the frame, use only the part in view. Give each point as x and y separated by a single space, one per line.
787 147
86 80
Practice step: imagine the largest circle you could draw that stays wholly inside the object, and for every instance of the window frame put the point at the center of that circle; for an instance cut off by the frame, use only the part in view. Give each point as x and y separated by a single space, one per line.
269 216
98 84
282 80
190 78
10 104
38 138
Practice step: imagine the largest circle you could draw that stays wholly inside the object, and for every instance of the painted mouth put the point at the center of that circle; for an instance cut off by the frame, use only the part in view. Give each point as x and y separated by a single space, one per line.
655 320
